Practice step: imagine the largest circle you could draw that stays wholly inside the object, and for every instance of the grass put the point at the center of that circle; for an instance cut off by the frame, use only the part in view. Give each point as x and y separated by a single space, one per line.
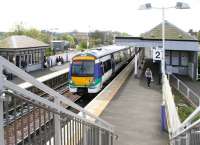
184 107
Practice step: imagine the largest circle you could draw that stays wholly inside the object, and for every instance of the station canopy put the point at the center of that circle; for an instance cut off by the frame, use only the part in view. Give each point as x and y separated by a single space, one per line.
176 39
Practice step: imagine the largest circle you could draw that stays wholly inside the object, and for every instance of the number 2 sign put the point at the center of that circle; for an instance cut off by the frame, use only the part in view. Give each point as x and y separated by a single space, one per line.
157 53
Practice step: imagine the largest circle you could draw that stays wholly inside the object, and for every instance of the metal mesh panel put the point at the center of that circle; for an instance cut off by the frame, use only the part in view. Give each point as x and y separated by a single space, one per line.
74 130
195 136
26 123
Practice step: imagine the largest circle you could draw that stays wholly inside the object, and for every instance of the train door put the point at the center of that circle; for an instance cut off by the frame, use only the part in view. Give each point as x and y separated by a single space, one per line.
112 64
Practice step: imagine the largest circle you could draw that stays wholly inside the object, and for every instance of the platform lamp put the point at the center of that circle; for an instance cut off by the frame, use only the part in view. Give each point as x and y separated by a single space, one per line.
179 5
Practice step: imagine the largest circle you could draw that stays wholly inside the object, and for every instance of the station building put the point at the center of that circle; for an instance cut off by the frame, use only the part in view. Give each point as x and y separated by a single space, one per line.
181 49
59 45
25 52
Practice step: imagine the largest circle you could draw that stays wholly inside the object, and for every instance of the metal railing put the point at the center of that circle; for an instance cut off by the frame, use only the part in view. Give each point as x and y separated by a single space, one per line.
187 132
190 95
40 121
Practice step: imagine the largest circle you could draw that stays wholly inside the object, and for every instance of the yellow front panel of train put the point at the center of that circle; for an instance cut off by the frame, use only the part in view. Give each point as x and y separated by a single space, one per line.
82 81
84 58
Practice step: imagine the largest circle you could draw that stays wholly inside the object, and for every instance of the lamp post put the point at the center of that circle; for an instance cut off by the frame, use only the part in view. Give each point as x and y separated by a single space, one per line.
179 5
88 37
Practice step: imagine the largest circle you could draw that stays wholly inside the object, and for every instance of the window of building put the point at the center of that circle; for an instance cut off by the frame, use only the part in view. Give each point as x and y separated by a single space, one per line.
167 57
175 58
36 57
30 59
184 58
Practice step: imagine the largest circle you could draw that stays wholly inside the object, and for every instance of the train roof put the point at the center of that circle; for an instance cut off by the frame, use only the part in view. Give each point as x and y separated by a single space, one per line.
102 51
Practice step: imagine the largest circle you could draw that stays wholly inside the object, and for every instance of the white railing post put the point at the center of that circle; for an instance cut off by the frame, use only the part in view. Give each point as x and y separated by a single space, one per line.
178 83
199 101
57 126
179 141
110 138
188 135
100 134
136 65
85 142
188 92
1 106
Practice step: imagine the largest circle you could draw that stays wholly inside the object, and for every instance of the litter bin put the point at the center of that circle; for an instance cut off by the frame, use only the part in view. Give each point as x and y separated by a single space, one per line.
163 118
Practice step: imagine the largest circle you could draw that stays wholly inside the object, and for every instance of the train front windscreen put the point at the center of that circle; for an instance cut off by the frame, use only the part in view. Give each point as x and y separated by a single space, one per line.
82 68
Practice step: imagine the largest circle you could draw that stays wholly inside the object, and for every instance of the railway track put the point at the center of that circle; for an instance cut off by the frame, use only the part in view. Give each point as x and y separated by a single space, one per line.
33 121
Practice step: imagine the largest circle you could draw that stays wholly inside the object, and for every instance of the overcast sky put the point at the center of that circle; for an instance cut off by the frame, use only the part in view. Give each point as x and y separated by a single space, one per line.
89 15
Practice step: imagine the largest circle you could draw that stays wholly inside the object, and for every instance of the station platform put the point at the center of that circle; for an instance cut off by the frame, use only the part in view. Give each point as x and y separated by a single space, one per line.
135 113
43 72
132 108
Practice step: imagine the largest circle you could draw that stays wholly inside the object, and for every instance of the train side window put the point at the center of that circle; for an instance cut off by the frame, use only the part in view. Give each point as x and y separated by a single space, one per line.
107 65
117 57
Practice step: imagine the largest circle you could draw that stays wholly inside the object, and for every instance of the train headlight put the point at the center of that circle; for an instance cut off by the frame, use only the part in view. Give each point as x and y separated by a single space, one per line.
93 82
71 82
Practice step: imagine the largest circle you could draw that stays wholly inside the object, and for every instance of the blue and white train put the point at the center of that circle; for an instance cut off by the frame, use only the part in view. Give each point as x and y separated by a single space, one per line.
90 69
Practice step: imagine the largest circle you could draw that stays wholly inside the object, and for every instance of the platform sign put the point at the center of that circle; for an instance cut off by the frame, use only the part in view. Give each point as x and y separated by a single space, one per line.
157 53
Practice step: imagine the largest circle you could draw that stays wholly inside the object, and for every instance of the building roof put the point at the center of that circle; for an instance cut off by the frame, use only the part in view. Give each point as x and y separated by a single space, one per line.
21 41
171 33
180 45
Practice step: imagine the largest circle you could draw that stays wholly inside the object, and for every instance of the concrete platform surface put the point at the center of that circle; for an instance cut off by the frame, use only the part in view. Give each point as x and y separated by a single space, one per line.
43 72
135 113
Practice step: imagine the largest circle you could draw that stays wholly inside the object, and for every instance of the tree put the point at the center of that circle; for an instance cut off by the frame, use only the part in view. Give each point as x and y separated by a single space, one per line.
68 38
124 34
82 45
19 29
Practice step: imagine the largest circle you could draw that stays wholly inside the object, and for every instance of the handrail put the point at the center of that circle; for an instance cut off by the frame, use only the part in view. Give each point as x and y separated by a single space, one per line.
184 128
23 75
58 108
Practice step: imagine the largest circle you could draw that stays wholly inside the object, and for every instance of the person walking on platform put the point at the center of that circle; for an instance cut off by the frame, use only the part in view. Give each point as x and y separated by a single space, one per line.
148 75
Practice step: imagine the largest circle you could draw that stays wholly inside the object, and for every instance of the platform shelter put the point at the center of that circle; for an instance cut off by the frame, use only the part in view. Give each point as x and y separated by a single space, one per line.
25 52
181 49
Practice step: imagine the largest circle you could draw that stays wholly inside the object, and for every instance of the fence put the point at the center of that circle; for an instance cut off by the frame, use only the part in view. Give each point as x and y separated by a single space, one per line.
28 119
185 90
28 123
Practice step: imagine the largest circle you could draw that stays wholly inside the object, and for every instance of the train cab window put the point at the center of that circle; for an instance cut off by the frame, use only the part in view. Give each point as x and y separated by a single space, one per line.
82 68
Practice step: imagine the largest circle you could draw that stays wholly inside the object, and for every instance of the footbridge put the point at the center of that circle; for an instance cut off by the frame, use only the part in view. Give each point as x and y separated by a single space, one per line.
125 112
